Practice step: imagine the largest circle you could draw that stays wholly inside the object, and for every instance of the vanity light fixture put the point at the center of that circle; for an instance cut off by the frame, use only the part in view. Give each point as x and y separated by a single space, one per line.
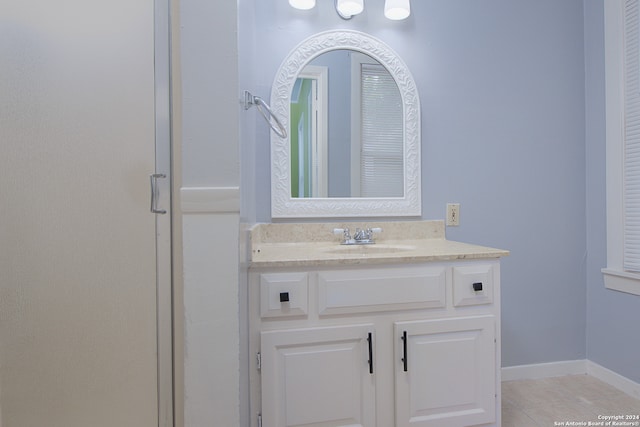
393 9
303 4
397 9
348 8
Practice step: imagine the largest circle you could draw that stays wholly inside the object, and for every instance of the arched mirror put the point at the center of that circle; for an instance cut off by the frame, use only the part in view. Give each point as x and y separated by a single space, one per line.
352 114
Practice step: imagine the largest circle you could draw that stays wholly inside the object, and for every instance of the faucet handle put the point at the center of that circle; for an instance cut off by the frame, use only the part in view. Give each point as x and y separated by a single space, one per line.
344 231
346 235
368 233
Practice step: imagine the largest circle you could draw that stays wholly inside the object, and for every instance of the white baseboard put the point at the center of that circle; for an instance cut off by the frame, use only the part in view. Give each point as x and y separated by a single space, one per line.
571 367
616 380
544 370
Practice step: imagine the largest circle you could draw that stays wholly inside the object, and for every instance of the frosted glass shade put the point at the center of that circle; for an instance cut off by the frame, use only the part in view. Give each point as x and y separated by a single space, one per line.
397 9
350 7
303 4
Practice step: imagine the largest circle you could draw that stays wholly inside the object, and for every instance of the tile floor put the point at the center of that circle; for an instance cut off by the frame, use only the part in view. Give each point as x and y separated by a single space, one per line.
578 398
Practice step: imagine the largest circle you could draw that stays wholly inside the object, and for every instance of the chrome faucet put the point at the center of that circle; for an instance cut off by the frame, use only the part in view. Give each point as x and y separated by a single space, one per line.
361 236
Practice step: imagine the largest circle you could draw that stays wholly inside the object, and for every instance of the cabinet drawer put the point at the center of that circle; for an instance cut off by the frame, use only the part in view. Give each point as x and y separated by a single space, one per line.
472 285
382 289
284 294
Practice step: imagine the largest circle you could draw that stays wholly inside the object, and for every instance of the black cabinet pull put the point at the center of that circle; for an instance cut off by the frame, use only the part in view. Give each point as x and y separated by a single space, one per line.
404 347
370 339
477 286
284 296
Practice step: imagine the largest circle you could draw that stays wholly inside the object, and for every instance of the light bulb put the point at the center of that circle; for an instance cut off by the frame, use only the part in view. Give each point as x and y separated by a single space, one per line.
303 4
397 9
350 7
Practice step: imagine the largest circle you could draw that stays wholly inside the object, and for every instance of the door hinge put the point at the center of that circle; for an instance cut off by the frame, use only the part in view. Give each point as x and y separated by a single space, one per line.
259 420
259 361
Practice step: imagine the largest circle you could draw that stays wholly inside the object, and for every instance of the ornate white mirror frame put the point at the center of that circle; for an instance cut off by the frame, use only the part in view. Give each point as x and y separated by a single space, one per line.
285 206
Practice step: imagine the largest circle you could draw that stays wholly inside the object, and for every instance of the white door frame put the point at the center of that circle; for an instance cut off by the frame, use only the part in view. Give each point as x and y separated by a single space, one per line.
319 135
164 313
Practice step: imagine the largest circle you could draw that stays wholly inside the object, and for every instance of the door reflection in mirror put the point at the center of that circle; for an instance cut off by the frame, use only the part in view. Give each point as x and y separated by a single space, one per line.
309 123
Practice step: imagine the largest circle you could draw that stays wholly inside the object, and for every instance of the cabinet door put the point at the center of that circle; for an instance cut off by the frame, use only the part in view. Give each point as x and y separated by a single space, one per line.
445 372
318 377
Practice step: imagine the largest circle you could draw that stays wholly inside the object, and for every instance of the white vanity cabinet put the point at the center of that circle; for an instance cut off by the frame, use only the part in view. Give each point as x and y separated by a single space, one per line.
448 376
317 376
412 344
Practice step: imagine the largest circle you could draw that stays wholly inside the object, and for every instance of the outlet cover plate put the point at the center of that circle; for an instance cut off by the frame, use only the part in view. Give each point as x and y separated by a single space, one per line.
453 214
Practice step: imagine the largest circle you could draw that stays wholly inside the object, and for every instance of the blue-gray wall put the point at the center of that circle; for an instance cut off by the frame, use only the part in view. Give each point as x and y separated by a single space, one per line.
503 90
613 318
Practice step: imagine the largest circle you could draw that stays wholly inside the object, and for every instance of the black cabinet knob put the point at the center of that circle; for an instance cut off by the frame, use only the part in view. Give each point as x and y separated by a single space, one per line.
477 286
284 296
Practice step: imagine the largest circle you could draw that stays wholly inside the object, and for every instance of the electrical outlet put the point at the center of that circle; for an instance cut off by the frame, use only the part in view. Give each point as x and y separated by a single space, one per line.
453 214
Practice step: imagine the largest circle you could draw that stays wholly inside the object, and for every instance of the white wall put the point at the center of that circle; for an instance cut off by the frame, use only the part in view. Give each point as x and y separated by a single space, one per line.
211 210
211 347
210 94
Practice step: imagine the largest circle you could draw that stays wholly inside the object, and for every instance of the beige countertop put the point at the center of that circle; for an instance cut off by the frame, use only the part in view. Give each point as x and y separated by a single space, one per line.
310 244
